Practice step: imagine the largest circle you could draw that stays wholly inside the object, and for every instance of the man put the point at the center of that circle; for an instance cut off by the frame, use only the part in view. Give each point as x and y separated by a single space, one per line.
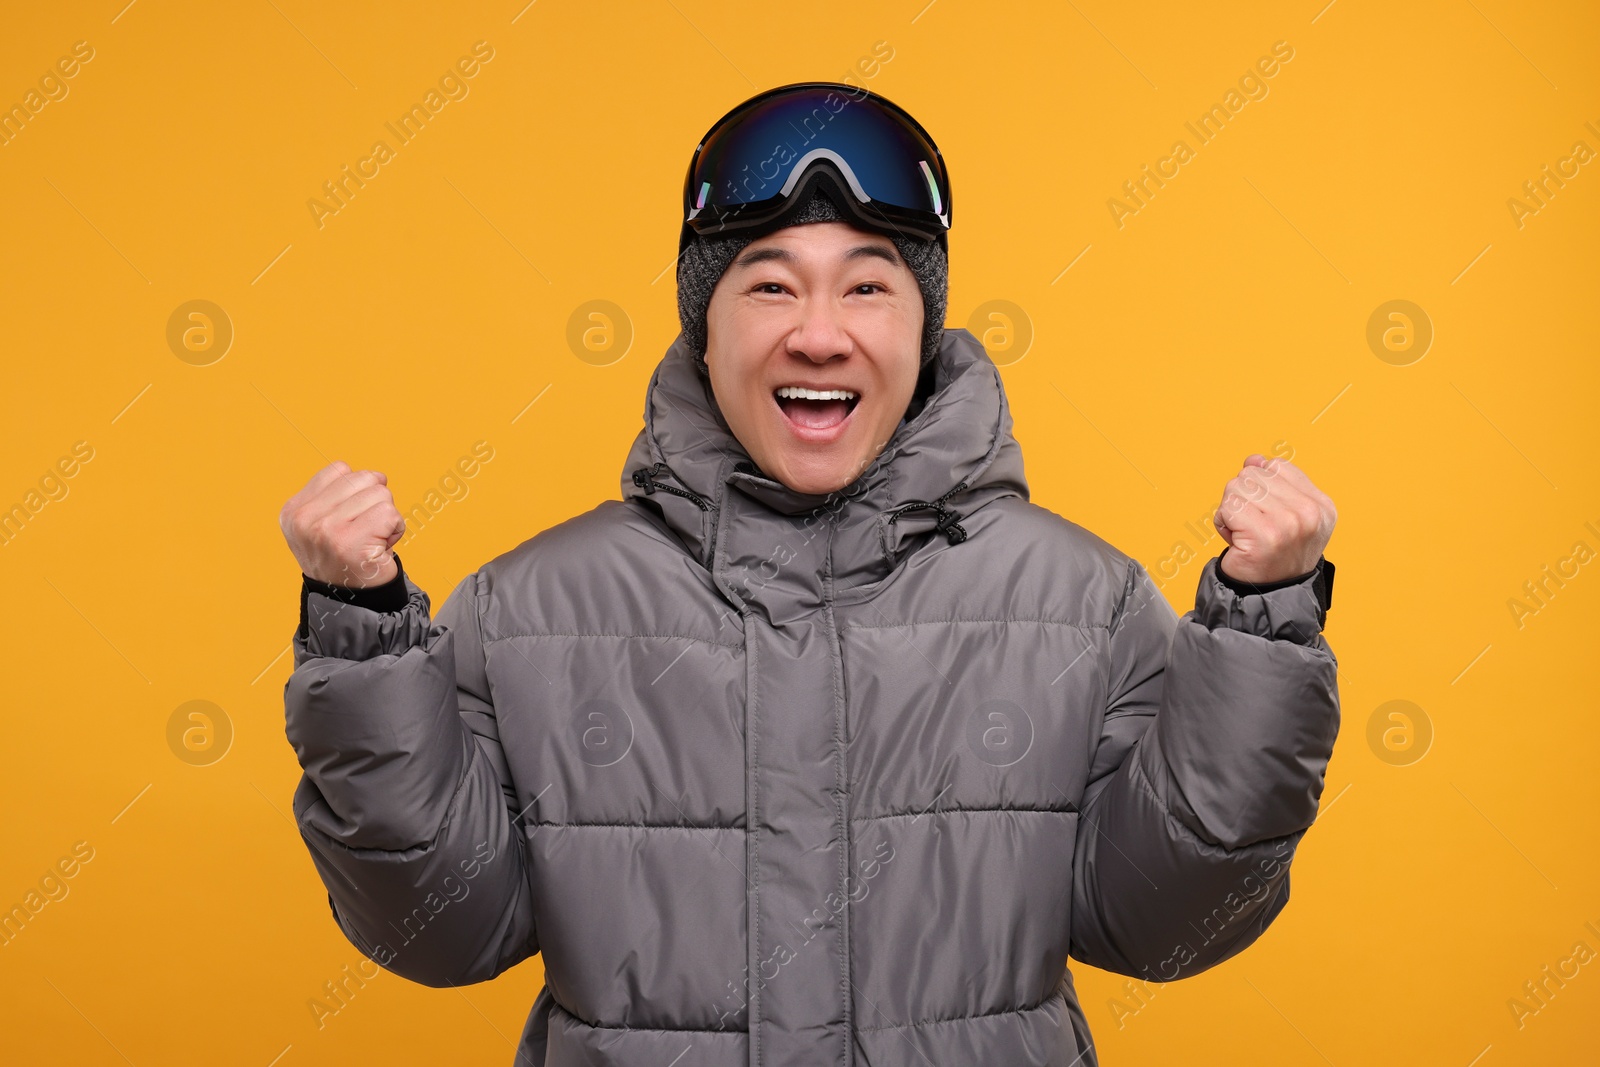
823 745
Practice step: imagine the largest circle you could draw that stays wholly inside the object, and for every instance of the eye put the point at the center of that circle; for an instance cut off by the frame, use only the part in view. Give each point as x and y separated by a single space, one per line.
768 287
869 285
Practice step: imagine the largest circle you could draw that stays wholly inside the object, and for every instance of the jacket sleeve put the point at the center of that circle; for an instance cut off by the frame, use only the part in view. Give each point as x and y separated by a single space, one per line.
1208 771
406 803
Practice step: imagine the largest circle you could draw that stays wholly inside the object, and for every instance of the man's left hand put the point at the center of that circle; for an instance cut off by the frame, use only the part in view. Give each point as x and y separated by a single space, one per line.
1275 521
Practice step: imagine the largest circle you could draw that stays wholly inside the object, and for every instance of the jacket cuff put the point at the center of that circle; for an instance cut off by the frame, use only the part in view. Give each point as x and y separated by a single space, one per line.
341 629
1293 609
392 595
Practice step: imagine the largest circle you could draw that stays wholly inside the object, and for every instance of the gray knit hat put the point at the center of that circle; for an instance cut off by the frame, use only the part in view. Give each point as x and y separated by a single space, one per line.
706 258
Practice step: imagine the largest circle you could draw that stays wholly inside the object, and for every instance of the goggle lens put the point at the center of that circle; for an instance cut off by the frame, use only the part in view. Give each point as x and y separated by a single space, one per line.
752 154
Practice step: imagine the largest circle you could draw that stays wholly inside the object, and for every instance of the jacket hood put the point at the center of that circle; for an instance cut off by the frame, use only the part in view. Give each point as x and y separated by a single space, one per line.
937 470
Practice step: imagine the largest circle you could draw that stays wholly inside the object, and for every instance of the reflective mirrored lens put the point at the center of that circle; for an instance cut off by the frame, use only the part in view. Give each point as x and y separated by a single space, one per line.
749 159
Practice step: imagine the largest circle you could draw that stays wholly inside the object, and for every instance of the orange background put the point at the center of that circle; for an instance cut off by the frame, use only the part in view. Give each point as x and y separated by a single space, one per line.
1228 315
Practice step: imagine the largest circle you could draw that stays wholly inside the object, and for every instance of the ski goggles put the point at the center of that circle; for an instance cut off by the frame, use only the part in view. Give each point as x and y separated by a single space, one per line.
756 162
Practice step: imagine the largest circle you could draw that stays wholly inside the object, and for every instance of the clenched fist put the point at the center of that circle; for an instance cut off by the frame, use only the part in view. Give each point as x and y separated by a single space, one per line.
1275 521
342 525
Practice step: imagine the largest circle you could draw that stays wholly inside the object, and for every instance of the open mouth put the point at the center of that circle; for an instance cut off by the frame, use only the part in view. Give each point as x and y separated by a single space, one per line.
816 411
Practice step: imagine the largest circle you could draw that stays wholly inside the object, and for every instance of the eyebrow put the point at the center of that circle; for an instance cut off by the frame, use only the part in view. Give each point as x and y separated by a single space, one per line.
764 255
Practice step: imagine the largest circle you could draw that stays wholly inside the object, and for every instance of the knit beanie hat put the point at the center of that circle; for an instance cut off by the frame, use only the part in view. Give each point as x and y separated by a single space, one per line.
706 258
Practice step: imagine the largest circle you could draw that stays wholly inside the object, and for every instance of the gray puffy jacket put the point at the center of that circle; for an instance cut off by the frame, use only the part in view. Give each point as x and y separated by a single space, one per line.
781 780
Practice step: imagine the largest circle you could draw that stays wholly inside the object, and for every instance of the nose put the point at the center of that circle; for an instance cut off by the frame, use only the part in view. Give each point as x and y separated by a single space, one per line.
820 333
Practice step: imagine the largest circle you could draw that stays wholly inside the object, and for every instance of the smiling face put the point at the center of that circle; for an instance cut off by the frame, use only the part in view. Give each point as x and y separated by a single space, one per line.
814 343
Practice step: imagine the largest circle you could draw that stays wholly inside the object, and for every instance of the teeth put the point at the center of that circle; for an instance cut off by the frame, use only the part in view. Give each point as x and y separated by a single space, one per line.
795 392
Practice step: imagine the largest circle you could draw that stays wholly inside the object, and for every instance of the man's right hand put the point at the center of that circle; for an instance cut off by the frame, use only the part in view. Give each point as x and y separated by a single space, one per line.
342 526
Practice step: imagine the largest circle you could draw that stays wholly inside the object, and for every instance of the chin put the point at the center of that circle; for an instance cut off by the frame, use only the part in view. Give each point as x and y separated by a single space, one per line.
808 475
